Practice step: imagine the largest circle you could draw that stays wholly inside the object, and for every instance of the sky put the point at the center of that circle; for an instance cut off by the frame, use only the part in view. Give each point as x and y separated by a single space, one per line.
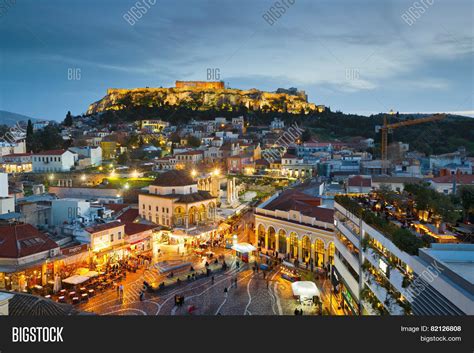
356 56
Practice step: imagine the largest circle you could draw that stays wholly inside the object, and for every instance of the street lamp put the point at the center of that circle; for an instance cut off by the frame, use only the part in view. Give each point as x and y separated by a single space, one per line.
193 173
217 172
83 177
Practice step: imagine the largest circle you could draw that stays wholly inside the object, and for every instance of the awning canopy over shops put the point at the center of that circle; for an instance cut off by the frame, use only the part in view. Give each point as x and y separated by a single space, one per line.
305 289
76 279
243 248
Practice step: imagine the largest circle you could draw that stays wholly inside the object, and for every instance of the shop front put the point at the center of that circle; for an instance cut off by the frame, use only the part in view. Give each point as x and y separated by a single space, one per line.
343 295
110 256
26 278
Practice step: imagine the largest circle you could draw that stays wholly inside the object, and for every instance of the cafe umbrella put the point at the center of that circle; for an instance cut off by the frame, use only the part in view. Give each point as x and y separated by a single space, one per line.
57 283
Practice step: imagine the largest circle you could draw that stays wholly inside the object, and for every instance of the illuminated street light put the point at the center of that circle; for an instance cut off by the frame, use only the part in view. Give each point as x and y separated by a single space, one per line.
112 173
51 177
217 172
111 165
134 174
193 173
126 186
83 177
100 168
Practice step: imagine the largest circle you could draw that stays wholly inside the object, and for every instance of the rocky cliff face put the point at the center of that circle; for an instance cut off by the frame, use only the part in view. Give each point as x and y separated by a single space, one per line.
203 99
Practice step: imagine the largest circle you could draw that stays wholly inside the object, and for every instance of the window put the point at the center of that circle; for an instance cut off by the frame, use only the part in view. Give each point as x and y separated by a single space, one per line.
143 206
163 209
111 238
149 207
119 235
173 191
157 208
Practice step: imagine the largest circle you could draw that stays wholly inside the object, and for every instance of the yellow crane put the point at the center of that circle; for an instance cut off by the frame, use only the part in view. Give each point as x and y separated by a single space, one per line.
387 128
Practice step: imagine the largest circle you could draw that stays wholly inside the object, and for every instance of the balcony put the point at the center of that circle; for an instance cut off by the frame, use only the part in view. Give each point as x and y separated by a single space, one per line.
351 258
347 277
349 234
396 275
383 295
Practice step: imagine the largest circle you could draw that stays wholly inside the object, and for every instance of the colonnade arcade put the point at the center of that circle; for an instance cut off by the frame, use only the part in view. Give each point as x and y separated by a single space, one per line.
297 245
195 215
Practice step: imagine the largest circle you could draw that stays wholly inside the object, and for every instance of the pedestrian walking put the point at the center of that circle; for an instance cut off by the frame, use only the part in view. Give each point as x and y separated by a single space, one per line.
212 279
225 291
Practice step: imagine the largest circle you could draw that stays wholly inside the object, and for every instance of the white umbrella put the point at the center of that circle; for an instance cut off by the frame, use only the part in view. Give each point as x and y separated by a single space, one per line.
57 284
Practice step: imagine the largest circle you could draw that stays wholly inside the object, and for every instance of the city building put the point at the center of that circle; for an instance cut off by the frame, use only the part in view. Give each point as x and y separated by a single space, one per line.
447 184
24 252
94 154
174 201
189 158
7 203
16 147
376 273
17 163
297 227
154 126
53 161
359 184
294 167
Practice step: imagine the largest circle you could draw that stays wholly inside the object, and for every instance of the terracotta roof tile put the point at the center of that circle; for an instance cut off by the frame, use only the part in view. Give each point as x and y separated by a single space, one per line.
174 178
20 240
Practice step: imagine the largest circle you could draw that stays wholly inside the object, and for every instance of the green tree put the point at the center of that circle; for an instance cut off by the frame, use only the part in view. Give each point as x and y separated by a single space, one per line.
193 141
123 159
466 194
306 135
29 128
68 119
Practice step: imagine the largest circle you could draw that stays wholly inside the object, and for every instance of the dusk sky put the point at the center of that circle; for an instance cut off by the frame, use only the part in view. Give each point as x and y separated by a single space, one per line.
354 56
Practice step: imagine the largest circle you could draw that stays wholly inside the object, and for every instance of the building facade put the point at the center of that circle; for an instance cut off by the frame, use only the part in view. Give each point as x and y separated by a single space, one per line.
373 276
294 225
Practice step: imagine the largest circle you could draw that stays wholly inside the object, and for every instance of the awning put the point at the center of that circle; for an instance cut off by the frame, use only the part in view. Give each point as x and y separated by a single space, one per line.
76 279
243 248
305 289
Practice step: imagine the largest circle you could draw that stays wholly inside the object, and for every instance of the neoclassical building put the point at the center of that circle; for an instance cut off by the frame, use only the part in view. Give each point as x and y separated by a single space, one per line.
173 200
295 224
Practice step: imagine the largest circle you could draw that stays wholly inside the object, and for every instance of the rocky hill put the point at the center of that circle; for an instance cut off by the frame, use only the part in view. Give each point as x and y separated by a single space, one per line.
202 99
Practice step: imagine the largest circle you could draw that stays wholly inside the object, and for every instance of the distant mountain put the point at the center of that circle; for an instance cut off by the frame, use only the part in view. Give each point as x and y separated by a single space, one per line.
9 118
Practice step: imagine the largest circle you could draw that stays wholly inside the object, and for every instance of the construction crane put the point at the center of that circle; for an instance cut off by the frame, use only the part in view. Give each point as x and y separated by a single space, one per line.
387 128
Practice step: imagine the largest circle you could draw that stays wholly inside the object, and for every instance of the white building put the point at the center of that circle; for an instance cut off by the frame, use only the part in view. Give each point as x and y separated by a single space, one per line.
12 148
53 161
68 209
294 167
277 124
93 153
375 276
294 225
7 204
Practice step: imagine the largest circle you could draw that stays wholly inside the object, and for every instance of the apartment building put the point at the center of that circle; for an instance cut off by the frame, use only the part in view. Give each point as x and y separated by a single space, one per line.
375 273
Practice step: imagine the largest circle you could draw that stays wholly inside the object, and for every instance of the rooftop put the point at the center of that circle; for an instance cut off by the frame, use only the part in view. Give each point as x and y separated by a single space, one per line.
174 178
22 304
102 227
20 240
464 179
50 153
299 201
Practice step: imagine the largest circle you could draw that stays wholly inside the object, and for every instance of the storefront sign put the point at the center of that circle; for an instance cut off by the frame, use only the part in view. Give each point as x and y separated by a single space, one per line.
74 249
